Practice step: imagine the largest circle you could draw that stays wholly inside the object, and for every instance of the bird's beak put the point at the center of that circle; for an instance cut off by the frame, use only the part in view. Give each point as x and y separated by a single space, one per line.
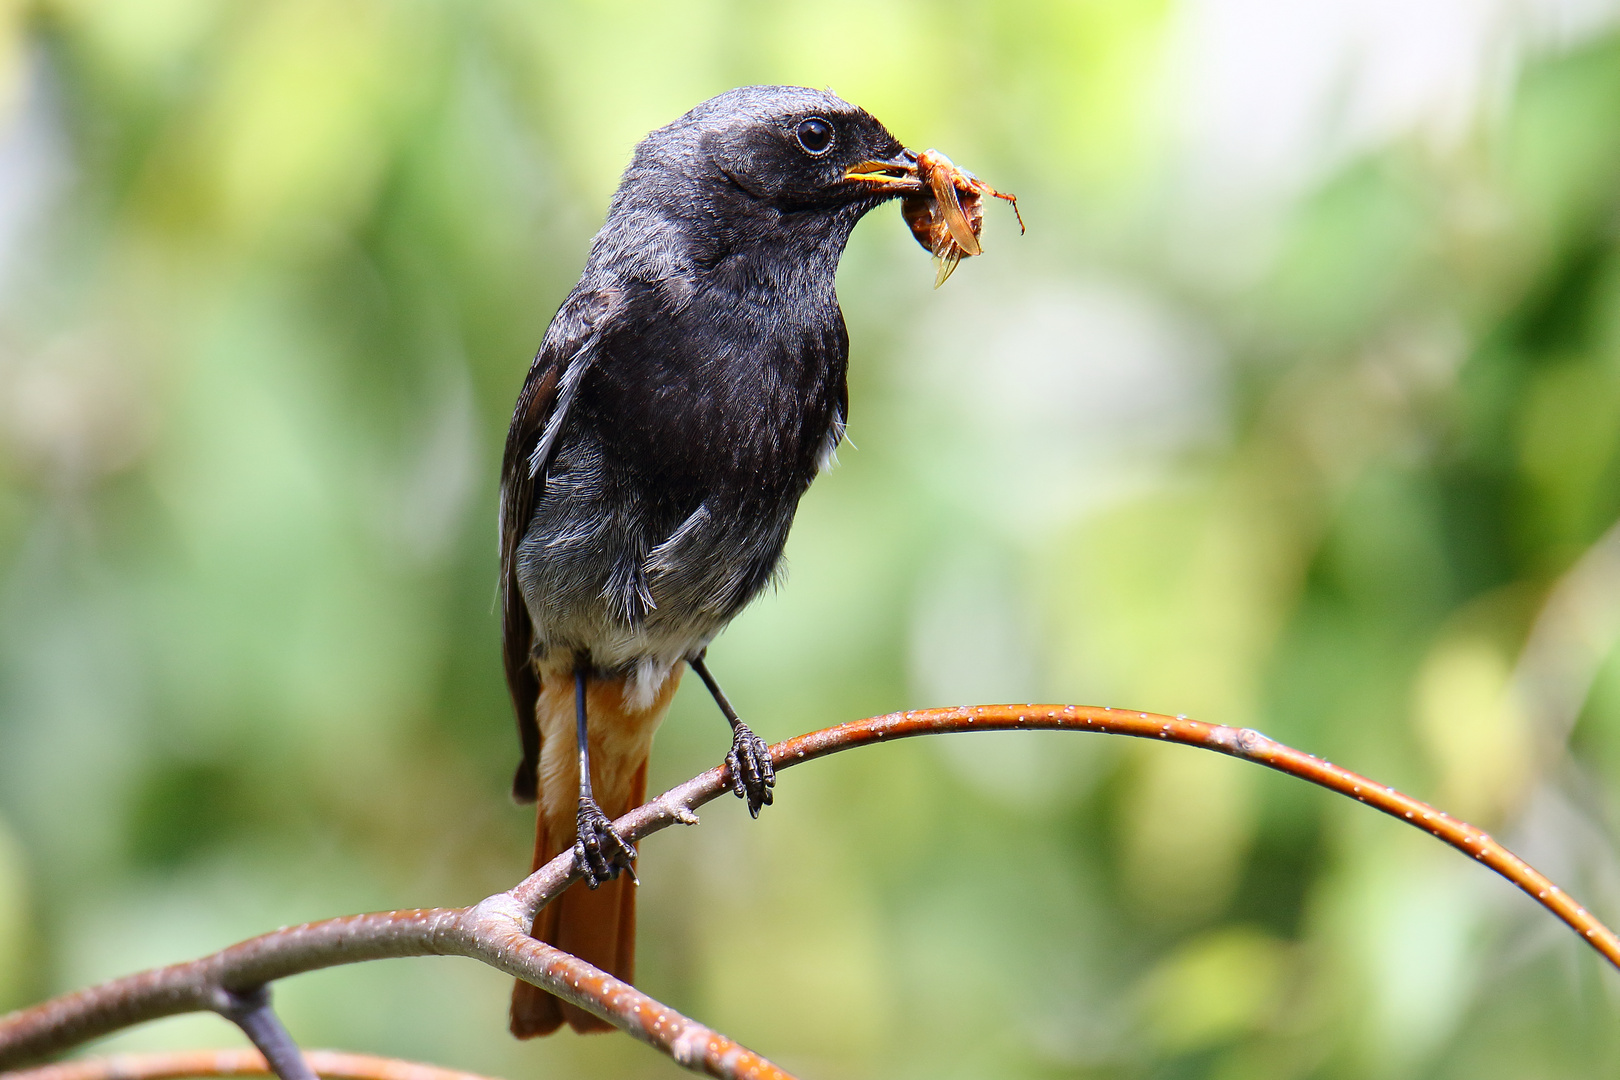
895 175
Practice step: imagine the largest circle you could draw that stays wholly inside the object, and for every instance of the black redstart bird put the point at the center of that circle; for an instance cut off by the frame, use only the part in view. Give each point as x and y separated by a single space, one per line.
686 393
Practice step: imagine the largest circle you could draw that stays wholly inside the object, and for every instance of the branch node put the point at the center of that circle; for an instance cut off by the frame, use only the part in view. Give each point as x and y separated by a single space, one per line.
235 1005
501 907
1244 742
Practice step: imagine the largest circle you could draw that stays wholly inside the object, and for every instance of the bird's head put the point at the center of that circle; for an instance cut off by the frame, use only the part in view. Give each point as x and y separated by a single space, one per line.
795 147
765 151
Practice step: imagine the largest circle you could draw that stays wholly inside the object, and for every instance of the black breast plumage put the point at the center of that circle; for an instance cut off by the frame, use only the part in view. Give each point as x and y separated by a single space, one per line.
674 477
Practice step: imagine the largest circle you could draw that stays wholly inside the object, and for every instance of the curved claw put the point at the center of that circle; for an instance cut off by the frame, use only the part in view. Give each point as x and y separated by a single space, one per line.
599 851
752 774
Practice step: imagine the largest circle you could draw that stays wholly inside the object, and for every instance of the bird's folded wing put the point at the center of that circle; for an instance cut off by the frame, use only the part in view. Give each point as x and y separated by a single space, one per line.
531 442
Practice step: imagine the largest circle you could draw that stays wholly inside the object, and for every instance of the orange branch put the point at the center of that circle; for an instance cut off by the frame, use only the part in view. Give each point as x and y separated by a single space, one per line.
494 931
1238 742
173 1065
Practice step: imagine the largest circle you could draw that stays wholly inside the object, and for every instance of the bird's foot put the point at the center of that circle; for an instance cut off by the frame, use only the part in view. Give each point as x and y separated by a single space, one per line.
752 774
600 852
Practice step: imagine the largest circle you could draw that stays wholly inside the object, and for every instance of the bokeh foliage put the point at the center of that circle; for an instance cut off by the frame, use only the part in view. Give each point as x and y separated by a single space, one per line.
1344 466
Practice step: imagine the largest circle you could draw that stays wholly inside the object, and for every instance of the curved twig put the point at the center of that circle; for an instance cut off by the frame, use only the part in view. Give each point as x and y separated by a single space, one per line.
175 1065
495 930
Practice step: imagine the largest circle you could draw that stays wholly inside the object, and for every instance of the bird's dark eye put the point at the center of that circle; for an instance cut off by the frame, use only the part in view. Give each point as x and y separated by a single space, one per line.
815 135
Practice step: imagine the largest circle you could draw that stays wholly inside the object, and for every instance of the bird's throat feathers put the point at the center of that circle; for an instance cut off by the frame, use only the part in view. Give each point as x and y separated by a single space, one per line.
714 227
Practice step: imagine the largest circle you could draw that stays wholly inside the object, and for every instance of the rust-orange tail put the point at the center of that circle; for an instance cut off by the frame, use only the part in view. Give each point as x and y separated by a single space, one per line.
597 926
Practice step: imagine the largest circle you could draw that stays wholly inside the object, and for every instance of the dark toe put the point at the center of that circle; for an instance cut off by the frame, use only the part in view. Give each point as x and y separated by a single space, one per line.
600 852
752 774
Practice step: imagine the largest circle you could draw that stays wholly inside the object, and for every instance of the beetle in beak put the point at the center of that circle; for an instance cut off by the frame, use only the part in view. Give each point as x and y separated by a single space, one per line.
942 202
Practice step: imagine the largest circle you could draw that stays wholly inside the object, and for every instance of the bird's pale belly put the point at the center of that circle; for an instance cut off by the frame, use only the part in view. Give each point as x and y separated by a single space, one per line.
600 583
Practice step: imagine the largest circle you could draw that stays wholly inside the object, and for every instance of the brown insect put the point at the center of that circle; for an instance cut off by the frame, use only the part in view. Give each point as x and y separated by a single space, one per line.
943 203
947 216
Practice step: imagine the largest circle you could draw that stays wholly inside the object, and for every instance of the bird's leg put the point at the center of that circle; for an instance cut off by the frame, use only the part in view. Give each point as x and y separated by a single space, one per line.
599 852
752 775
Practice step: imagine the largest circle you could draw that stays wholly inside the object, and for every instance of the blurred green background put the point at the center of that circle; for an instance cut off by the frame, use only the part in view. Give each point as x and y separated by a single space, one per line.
1298 407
